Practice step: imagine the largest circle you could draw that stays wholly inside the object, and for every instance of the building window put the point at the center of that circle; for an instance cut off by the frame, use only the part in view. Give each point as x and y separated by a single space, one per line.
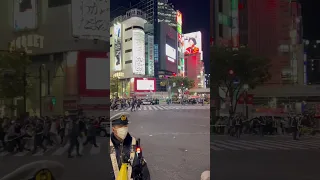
127 40
128 62
127 51
57 3
220 30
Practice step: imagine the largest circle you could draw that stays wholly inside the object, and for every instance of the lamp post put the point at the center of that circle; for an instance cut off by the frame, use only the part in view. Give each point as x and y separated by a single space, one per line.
42 67
246 88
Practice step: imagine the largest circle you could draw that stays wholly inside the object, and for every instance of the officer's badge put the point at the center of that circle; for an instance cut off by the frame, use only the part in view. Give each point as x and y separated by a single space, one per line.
123 118
44 174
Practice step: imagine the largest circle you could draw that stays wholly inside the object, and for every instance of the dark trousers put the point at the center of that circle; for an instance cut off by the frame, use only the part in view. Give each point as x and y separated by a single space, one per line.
2 135
38 143
74 143
92 140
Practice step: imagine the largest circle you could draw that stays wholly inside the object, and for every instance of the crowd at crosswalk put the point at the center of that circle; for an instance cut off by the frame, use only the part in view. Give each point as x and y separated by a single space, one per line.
162 108
57 151
273 144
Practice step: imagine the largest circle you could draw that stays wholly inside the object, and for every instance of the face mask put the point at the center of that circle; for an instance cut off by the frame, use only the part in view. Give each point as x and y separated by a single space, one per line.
122 132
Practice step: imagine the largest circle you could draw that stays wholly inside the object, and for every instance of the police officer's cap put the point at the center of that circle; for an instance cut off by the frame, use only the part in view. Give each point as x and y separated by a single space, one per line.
120 119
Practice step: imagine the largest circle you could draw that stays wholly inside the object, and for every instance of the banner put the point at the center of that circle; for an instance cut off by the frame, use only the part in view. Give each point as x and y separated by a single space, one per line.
25 14
117 47
150 55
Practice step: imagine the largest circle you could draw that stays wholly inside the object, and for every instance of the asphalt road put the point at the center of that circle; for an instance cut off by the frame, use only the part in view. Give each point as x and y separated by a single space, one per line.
266 158
175 145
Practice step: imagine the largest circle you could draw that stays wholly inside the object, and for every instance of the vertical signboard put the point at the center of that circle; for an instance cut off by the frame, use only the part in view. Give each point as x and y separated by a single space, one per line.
180 43
156 53
138 52
150 55
90 19
117 47
25 14
235 23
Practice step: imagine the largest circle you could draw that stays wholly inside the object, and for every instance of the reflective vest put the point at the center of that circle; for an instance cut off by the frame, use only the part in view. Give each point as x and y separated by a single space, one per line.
114 161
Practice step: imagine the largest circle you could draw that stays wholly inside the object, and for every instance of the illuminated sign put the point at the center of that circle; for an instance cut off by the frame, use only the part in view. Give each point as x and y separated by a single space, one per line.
171 53
150 55
25 13
192 43
117 47
145 85
179 17
138 52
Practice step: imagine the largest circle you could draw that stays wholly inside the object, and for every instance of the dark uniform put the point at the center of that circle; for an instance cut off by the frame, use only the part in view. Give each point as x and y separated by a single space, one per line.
126 152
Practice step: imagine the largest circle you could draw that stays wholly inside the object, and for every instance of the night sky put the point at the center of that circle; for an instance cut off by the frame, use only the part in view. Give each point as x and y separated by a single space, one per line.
310 15
196 17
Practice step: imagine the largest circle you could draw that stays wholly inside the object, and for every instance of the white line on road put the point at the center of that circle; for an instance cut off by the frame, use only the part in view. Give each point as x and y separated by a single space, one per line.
178 133
256 145
235 145
227 147
95 150
4 153
23 153
61 150
212 146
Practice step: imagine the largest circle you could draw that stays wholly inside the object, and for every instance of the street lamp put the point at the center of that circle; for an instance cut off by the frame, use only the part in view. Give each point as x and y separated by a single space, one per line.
246 88
41 68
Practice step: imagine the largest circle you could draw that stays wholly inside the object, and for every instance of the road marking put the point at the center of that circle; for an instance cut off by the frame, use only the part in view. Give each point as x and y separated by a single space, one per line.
262 145
228 147
95 150
61 150
4 153
280 144
23 153
150 108
41 153
236 145
212 146
255 145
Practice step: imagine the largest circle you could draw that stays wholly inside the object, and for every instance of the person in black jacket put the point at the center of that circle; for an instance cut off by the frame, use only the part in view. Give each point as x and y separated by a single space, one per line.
91 134
123 149
74 135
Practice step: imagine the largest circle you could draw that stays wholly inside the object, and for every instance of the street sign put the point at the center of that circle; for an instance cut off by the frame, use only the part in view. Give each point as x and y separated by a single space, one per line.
53 101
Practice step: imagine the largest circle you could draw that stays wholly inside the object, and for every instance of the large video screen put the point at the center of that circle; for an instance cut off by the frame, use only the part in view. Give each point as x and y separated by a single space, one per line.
145 84
171 53
192 43
117 46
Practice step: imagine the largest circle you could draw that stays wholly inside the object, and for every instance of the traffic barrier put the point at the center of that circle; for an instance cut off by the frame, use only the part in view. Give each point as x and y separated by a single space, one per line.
205 175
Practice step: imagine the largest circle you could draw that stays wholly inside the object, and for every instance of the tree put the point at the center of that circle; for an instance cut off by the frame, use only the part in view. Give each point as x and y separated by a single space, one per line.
237 67
179 82
13 76
114 85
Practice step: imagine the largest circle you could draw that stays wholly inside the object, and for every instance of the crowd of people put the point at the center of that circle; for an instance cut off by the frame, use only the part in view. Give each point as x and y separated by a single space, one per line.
29 134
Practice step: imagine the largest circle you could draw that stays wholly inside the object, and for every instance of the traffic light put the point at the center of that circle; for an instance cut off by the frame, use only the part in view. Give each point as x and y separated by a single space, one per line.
231 72
181 84
174 74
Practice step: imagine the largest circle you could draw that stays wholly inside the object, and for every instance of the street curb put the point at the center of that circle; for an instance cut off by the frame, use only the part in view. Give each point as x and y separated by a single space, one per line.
205 175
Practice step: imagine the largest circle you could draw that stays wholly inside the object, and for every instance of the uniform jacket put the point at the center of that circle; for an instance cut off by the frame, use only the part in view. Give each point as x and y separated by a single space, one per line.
126 149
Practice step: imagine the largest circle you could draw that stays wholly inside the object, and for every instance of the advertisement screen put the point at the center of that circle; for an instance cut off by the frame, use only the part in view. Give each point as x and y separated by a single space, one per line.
192 43
171 53
144 84
150 55
138 52
117 47
25 14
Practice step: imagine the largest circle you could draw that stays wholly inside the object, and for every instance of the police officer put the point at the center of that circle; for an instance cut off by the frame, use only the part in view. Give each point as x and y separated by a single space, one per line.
123 149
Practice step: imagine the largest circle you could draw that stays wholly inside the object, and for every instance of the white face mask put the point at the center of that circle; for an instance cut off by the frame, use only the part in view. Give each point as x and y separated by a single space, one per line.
122 132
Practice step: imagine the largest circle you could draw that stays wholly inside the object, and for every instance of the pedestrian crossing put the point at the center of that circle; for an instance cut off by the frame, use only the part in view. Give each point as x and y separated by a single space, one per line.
254 145
163 108
57 151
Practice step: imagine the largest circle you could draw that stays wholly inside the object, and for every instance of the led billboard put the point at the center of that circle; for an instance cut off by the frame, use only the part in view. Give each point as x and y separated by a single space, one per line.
138 52
192 43
144 84
117 47
171 53
25 14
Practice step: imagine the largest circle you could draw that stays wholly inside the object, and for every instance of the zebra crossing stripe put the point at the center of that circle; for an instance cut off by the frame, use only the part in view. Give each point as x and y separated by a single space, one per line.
227 147
303 144
95 150
283 145
61 150
235 145
4 154
149 108
212 146
41 152
251 145
23 153
160 107
265 145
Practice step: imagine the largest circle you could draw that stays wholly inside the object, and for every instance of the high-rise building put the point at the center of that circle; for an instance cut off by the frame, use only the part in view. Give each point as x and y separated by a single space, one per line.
312 62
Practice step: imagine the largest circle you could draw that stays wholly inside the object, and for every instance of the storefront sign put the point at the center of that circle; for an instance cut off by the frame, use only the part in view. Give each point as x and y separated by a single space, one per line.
27 41
151 55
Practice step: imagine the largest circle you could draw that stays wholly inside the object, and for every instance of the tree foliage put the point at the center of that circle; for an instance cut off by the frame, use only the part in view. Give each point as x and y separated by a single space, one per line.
179 82
13 74
237 67
114 84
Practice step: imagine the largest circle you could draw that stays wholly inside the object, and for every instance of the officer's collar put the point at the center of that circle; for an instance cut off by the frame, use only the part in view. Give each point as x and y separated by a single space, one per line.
116 142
